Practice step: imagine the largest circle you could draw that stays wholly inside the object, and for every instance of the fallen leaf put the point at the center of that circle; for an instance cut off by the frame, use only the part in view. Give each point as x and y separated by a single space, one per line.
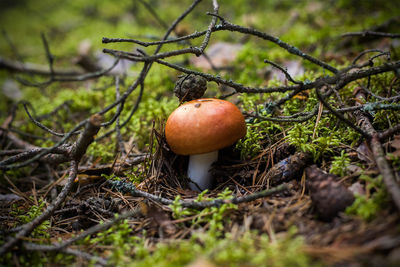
364 153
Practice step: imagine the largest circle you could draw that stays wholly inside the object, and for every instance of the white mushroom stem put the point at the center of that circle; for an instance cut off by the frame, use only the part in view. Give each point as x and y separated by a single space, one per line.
198 170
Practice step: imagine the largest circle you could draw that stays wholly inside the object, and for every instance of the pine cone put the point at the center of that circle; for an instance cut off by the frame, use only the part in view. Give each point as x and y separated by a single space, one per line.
287 169
190 87
328 196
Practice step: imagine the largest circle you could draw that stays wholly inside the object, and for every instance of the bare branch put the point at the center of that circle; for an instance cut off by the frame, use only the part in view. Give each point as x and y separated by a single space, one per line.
340 116
379 155
124 187
41 126
371 33
283 70
78 253
18 66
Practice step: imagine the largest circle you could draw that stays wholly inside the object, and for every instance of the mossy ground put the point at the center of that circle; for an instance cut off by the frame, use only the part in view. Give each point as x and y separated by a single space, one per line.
280 231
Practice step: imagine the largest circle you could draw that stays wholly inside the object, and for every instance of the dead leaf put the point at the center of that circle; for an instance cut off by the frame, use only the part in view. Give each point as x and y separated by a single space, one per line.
364 153
396 142
84 179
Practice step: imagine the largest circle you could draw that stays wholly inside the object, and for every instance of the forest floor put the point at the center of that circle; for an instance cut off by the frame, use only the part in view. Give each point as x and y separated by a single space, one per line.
88 178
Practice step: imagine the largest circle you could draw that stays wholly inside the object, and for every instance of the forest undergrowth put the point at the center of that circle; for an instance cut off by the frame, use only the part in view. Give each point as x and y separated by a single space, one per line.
87 177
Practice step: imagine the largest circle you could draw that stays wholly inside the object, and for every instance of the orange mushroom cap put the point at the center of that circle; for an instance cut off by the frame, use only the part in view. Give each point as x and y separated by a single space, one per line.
204 125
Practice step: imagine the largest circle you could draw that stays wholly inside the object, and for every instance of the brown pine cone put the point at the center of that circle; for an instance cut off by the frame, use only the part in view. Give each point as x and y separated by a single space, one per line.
190 87
328 196
287 169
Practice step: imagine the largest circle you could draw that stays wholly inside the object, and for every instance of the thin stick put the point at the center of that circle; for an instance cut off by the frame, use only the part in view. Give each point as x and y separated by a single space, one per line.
124 187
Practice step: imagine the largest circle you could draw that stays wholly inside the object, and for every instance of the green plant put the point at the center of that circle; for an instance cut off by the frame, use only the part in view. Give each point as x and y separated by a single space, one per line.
258 131
119 237
150 110
300 136
103 151
26 216
248 249
137 174
368 206
178 211
213 216
324 142
40 233
339 164
249 146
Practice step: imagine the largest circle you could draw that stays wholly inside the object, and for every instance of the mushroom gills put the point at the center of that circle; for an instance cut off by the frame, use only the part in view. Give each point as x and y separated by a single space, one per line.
198 170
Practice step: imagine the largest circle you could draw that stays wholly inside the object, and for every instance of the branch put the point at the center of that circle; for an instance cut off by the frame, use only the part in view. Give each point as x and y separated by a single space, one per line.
209 30
389 132
45 151
78 253
76 78
369 51
18 66
194 35
371 33
68 152
87 137
340 116
92 230
283 70
236 28
40 125
343 77
125 187
379 155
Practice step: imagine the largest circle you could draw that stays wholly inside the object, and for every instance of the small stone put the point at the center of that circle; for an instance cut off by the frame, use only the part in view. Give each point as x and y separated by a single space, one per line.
11 89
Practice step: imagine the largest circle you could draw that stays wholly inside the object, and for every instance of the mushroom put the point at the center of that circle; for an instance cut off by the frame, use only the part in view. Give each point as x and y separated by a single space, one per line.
199 128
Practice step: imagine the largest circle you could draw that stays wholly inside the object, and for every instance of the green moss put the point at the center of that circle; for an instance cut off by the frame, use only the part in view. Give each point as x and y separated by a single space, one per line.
340 164
248 248
40 234
259 132
105 151
26 216
213 216
67 25
368 206
150 110
120 238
